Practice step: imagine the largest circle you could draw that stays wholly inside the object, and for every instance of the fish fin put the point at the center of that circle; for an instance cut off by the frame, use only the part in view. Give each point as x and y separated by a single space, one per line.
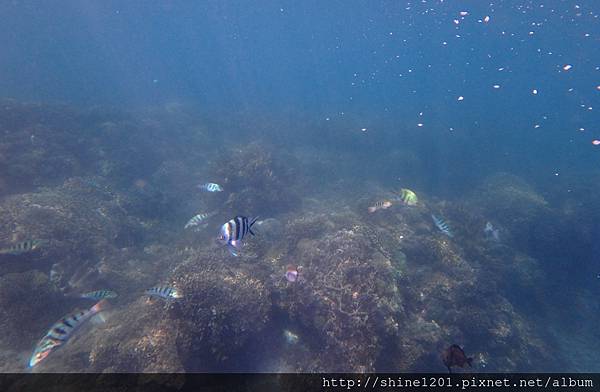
253 221
470 361
449 370
233 250
100 306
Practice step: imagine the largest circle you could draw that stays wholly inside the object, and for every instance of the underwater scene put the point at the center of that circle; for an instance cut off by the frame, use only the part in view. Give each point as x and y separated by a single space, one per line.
300 186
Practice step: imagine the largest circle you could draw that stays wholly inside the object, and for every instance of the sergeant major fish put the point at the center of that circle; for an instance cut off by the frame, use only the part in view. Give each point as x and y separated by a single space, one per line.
22 247
198 219
380 205
61 331
442 226
211 187
166 292
408 197
99 294
233 232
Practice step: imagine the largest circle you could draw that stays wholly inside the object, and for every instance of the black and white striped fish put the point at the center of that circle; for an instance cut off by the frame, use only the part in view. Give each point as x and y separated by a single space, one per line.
442 226
61 331
22 247
211 187
99 294
233 232
166 292
198 219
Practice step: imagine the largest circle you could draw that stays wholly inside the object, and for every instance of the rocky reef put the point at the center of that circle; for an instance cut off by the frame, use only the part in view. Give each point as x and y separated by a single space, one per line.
383 291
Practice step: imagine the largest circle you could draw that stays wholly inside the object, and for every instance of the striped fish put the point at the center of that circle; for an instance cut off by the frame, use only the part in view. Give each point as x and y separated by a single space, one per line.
99 294
198 219
61 331
164 292
211 187
408 197
22 247
442 226
233 232
380 205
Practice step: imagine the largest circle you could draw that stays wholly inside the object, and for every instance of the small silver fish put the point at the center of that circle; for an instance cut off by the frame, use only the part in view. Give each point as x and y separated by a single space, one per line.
292 272
99 294
380 205
23 247
491 232
442 226
290 337
198 219
211 187
61 331
164 292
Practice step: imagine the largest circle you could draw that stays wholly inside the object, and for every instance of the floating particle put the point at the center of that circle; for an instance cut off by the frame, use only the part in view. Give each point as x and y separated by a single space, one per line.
461 98
534 91
596 142
496 86
567 67
486 19
536 126
364 129
419 124
456 21
582 129
598 87
464 13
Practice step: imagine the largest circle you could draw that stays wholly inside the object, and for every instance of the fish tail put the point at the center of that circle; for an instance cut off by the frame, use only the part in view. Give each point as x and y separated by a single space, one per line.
253 221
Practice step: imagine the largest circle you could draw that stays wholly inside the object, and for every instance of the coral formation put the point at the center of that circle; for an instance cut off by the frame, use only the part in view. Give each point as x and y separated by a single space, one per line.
374 292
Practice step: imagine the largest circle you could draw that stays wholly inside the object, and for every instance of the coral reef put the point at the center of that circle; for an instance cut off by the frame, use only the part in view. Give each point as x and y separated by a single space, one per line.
257 179
385 291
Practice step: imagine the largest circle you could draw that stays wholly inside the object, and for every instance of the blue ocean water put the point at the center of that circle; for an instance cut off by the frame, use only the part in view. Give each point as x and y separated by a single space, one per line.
307 112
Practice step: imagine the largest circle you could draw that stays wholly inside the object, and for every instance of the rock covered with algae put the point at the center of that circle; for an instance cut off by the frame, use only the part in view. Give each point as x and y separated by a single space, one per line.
513 203
257 179
222 309
384 291
347 299
24 297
